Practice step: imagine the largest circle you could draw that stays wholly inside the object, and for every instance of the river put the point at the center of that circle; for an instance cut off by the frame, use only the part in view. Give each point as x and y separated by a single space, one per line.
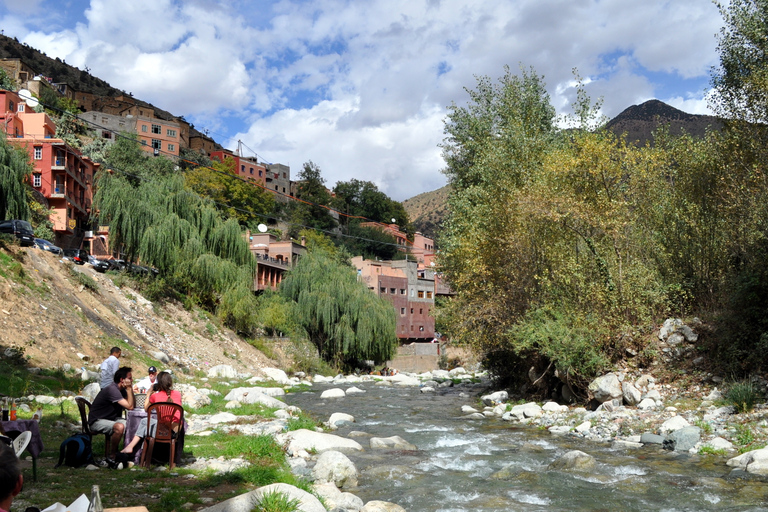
456 458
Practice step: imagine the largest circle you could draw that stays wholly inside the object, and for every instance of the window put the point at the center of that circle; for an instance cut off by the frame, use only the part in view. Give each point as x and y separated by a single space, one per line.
411 328
21 107
283 175
402 311
104 120
421 328
106 134
156 128
157 144
429 295
421 311
412 290
143 142
411 310
421 294
242 168
251 169
38 152
402 291
260 171
37 179
382 290
144 128
392 290
10 106
172 147
170 133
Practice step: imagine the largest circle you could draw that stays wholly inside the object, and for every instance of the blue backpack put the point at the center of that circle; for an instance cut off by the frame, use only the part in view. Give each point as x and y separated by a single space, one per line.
75 451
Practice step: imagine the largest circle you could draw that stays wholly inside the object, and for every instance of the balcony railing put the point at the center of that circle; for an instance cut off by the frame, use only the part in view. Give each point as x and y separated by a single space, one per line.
266 259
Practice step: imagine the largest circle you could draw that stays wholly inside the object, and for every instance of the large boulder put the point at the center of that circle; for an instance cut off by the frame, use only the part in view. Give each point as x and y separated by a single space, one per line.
381 506
683 439
334 499
605 388
308 440
257 395
391 443
339 419
276 375
249 501
529 410
334 466
674 423
495 398
192 397
755 462
333 393
222 371
91 390
631 394
574 460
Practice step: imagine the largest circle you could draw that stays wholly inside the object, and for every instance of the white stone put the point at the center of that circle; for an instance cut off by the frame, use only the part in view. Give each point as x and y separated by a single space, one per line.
468 409
222 371
427 389
559 430
391 443
584 427
354 391
673 424
718 443
495 398
339 418
333 393
223 417
309 440
646 404
334 466
381 506
276 375
554 407
529 410
249 501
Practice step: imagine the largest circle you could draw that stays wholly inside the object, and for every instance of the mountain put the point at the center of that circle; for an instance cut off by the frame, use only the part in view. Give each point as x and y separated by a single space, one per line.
638 122
428 210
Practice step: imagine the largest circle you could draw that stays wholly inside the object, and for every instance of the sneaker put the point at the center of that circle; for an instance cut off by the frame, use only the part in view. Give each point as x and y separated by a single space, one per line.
103 463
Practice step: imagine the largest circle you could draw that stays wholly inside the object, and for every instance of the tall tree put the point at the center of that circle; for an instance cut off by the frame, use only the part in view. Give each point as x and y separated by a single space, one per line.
313 198
344 320
15 170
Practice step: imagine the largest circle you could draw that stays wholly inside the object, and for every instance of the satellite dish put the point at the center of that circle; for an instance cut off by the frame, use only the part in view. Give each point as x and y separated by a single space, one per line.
28 98
394 221
262 228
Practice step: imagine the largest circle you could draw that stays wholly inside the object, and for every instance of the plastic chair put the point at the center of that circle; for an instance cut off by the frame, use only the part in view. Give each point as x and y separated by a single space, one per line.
20 443
85 407
168 415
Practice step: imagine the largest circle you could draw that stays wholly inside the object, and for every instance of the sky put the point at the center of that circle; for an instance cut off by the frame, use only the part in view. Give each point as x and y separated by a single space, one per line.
362 88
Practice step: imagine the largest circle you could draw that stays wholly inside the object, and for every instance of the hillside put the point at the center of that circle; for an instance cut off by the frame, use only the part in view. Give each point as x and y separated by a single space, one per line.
427 210
49 314
640 121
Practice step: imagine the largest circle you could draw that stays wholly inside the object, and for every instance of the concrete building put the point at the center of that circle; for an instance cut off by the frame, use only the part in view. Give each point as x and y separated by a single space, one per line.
410 290
273 258
422 248
247 168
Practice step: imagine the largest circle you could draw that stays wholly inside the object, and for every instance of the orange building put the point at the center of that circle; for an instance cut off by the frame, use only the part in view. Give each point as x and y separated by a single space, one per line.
273 258
62 175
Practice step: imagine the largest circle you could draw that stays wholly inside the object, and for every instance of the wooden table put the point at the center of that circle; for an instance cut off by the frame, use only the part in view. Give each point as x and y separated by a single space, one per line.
35 443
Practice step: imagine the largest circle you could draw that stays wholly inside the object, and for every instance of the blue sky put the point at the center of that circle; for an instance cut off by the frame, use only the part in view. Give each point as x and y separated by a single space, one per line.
361 88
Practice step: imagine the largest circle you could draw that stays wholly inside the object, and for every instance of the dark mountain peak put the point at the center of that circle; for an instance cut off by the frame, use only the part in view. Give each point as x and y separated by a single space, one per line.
651 110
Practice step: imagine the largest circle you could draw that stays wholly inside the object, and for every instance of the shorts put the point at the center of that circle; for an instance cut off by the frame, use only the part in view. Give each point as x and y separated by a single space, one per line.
105 426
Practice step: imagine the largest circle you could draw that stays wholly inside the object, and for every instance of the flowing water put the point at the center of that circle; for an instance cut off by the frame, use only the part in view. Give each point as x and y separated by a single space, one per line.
453 469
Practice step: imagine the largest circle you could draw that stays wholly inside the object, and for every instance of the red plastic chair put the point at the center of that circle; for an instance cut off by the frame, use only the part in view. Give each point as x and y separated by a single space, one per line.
170 418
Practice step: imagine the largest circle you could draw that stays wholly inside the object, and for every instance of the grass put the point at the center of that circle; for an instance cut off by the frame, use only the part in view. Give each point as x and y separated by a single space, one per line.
708 450
277 502
742 395
84 279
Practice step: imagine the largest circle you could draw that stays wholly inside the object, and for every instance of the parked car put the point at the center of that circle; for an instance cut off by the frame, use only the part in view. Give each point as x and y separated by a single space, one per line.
21 229
115 264
97 264
45 245
79 256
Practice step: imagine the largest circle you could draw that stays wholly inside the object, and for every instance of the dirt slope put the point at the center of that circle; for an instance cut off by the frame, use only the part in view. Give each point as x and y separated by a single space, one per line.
45 311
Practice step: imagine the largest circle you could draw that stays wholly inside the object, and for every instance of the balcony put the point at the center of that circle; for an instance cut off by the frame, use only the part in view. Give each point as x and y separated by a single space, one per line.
59 164
58 192
263 259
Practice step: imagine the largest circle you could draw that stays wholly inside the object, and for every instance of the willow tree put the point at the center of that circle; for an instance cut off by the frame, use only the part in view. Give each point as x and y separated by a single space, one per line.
344 320
15 169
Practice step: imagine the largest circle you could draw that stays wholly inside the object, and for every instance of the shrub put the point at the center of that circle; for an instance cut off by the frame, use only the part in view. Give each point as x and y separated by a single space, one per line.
743 396
277 502
84 279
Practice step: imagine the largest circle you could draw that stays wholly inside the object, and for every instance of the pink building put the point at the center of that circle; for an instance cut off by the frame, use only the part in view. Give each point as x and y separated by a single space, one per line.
422 248
273 258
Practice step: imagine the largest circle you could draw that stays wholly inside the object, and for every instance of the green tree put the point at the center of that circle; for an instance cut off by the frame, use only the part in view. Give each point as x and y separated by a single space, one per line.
311 208
233 196
364 199
15 169
344 320
6 81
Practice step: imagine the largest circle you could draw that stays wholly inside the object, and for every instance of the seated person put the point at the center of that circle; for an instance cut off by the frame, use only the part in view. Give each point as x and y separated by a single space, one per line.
108 406
11 479
164 393
147 382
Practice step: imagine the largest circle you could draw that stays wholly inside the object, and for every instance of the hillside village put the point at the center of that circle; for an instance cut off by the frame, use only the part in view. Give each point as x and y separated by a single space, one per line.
63 181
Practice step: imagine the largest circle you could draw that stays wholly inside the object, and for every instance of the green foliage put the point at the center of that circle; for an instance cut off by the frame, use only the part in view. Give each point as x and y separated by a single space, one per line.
15 169
364 199
743 395
6 81
276 502
341 317
302 421
708 450
84 279
369 242
311 209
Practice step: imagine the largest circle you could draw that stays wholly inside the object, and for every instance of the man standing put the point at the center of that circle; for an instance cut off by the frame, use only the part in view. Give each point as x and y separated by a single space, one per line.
107 409
11 479
110 366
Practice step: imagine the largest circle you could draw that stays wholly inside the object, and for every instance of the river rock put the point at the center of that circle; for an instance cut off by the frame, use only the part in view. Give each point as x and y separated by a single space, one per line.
468 409
648 438
334 466
645 382
605 388
646 404
309 440
755 462
718 443
669 326
354 391
529 410
391 443
584 427
222 371
339 419
673 423
249 501
575 460
480 416
335 499
495 398
719 412
554 407
631 394
192 397
381 506
559 430
333 393
427 389
87 375
161 356
240 394
683 439
276 375
402 379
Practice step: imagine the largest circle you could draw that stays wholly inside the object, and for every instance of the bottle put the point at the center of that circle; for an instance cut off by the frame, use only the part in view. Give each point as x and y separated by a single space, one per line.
13 410
95 504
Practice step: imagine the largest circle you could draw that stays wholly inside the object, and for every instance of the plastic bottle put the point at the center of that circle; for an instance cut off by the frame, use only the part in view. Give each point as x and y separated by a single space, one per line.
95 504
13 410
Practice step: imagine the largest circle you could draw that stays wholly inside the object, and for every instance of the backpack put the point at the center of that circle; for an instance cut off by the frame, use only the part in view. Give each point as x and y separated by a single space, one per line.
75 451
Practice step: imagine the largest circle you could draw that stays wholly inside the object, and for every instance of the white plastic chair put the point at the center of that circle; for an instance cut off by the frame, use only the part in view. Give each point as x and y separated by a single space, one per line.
20 443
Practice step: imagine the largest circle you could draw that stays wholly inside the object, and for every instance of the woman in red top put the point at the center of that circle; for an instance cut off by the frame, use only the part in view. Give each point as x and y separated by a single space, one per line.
163 393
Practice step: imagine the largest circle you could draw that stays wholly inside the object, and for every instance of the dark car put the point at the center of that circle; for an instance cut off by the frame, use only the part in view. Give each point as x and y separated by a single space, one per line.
45 245
115 264
21 229
79 256
97 264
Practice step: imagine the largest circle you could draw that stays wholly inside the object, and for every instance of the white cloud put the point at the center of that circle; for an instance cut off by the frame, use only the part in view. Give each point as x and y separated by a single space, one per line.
361 87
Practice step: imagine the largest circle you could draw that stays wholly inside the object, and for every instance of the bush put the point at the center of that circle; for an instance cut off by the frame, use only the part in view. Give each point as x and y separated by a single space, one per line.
743 396
277 502
84 279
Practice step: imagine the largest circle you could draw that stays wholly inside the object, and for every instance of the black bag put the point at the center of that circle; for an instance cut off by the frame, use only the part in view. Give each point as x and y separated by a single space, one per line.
75 451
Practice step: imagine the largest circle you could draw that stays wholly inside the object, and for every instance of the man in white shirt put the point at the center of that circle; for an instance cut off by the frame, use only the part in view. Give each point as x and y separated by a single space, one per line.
147 382
109 367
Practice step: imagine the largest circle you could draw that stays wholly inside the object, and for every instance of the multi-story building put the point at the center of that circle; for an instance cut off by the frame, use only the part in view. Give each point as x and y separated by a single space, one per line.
157 136
62 175
422 248
278 178
248 168
273 258
409 289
